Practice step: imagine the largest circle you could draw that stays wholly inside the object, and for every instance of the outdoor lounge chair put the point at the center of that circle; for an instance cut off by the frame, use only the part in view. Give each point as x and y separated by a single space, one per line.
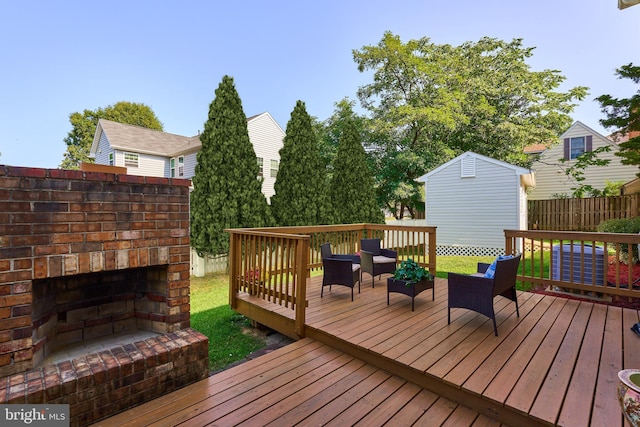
476 292
376 261
339 269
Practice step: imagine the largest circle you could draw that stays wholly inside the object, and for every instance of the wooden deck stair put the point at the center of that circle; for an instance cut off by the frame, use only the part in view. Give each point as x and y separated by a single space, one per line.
305 383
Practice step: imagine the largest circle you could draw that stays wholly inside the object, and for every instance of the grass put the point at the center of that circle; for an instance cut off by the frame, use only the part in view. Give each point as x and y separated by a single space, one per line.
459 264
230 336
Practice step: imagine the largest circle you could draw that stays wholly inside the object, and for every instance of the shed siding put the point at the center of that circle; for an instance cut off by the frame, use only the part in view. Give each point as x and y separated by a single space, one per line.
549 170
473 211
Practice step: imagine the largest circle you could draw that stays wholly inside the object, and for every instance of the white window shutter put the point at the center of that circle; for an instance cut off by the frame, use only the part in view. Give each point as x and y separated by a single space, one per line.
468 166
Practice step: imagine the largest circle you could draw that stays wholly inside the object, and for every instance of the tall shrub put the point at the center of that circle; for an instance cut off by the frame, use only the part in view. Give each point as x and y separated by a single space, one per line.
352 191
227 192
300 188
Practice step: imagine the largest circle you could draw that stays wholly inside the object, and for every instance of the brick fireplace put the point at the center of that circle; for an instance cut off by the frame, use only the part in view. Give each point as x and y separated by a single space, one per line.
86 256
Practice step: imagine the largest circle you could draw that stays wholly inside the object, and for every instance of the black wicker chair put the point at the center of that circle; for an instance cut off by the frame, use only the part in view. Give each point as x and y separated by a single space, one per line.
476 292
339 269
375 260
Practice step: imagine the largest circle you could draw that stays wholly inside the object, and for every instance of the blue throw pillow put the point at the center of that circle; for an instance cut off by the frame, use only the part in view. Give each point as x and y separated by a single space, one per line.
491 271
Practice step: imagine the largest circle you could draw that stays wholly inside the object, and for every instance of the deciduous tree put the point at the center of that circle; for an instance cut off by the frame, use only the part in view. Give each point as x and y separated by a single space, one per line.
438 101
623 114
227 192
84 124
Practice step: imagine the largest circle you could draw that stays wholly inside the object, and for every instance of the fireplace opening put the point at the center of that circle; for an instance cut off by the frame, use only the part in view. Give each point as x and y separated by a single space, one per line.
97 310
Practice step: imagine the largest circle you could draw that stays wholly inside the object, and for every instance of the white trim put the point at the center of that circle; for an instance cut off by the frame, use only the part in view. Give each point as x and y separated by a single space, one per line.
517 169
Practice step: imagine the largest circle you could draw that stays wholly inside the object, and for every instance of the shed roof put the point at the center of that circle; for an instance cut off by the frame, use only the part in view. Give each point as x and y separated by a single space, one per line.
517 169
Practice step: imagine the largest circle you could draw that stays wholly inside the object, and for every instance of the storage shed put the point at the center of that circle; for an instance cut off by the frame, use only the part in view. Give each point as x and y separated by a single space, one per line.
472 199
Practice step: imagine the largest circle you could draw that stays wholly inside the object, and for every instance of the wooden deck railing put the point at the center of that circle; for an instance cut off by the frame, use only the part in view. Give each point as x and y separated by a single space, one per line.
273 263
593 264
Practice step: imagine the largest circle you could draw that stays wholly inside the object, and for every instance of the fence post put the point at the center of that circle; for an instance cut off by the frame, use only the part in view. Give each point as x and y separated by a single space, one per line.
302 252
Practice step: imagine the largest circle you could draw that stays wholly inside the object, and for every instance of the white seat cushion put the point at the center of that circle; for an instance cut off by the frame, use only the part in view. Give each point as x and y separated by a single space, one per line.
355 267
379 259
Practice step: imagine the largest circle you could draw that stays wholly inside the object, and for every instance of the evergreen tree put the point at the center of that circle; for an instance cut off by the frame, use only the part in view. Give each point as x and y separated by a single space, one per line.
227 192
352 191
300 188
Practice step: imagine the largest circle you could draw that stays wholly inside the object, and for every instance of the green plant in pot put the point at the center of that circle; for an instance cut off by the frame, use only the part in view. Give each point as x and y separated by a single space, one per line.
411 272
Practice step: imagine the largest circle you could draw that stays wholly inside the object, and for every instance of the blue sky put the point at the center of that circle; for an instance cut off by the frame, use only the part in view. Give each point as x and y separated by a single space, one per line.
66 56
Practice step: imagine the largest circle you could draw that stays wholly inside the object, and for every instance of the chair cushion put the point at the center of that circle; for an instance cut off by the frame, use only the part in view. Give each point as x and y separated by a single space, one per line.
379 259
491 271
355 267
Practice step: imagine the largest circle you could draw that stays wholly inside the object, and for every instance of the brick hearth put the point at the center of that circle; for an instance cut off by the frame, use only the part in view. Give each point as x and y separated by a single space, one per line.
85 255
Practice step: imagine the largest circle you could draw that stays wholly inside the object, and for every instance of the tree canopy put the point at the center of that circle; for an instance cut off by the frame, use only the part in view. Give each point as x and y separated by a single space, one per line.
300 188
227 192
623 114
429 103
84 124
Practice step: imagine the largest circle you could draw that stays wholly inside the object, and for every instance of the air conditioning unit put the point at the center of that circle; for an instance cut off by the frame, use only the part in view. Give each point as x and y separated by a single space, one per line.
577 267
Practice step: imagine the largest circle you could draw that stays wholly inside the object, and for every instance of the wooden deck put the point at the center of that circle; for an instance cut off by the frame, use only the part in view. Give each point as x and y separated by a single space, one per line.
366 363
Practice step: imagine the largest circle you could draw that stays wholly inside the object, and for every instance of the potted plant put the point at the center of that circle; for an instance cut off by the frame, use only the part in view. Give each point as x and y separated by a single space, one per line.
410 278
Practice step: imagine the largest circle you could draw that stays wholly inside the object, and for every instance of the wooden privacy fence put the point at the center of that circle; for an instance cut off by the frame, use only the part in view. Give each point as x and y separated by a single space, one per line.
580 214
272 264
592 264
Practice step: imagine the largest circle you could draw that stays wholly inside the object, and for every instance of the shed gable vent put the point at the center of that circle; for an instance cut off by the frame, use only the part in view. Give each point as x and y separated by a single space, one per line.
468 166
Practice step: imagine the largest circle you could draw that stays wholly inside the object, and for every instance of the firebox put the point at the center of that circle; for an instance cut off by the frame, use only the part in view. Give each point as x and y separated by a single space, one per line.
68 310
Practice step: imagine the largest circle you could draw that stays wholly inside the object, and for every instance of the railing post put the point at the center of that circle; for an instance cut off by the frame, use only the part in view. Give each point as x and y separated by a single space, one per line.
432 250
233 269
508 243
301 286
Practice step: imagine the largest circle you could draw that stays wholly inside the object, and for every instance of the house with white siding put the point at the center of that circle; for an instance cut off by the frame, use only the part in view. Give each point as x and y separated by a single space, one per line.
150 152
551 179
471 200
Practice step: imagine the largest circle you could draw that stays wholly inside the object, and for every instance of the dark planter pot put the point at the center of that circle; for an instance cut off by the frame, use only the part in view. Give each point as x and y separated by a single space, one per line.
411 289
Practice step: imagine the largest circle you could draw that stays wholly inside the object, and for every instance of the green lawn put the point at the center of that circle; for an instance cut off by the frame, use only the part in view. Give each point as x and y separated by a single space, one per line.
231 337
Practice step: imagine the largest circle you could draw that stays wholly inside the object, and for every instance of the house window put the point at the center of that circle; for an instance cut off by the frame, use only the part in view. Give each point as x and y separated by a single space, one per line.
274 168
177 166
131 159
576 147
260 167
110 159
